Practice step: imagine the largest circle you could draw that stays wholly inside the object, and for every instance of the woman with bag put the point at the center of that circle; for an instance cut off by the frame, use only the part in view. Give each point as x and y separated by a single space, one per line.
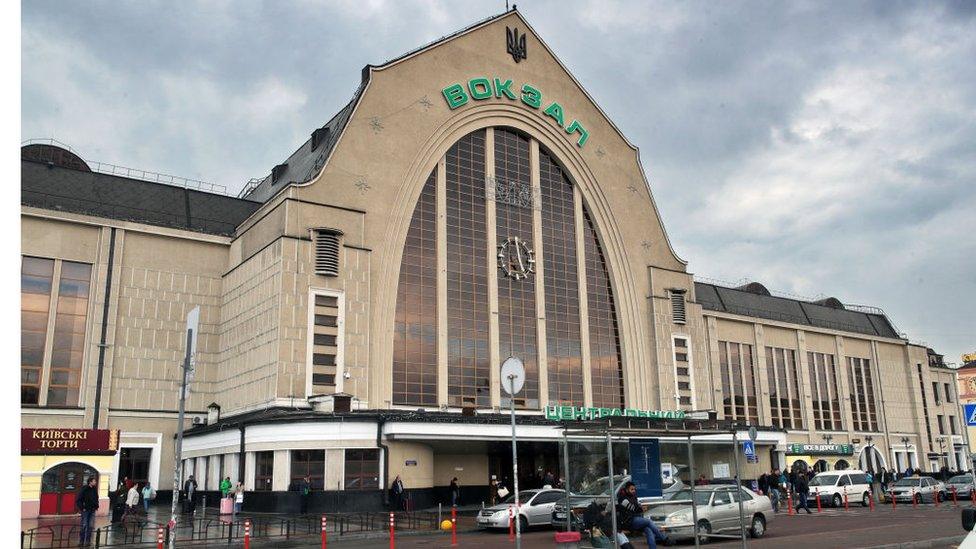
238 497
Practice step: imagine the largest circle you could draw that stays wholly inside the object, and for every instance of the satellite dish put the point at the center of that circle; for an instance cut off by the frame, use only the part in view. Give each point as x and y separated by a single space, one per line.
513 375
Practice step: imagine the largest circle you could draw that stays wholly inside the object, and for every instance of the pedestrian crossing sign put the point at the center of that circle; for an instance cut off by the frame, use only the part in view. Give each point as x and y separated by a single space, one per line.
971 415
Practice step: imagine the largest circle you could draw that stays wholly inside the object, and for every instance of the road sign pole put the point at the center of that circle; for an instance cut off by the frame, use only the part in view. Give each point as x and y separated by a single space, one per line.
518 522
178 456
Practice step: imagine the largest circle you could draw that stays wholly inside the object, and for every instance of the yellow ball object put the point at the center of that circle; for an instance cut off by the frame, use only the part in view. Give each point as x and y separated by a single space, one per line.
446 524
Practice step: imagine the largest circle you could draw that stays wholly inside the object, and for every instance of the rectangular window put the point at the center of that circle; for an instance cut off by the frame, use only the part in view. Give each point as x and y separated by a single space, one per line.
59 355
738 381
823 385
263 471
952 425
681 343
925 405
362 469
935 392
677 306
685 401
863 407
308 463
325 331
941 422
684 385
681 357
948 393
784 388
682 371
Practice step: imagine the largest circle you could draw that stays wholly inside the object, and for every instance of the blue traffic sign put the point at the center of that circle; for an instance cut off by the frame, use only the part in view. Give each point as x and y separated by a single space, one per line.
749 448
970 415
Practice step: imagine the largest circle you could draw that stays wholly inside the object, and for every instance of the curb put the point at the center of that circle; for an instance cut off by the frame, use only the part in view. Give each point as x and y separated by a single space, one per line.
922 544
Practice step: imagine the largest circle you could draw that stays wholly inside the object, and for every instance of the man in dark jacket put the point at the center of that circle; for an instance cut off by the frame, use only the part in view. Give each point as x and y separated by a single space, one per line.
802 488
87 503
763 484
190 492
630 516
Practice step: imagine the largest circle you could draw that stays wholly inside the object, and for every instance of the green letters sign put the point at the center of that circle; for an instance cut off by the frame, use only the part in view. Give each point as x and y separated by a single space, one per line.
481 88
561 413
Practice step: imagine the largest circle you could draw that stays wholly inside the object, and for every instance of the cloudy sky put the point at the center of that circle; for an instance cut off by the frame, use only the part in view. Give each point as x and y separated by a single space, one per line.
822 149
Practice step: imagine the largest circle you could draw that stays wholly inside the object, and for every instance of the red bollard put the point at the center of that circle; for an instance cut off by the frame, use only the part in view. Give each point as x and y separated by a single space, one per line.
789 504
247 534
819 507
511 526
159 538
936 497
955 500
972 495
914 499
392 542
324 540
453 526
894 502
846 508
871 501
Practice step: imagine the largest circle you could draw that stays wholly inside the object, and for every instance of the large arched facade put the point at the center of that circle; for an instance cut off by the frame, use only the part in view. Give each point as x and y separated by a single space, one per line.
524 274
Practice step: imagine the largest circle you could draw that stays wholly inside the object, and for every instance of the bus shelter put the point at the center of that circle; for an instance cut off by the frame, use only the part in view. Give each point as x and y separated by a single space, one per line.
617 430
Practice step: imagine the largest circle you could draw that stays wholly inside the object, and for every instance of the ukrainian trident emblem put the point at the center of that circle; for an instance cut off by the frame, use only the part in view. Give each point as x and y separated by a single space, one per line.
515 44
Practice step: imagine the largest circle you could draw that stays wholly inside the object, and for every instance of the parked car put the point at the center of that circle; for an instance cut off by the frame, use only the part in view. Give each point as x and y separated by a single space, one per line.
597 491
963 485
717 507
534 509
831 486
920 489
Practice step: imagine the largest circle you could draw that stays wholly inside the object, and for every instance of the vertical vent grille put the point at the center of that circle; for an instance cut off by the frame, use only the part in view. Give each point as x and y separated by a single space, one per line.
678 306
326 251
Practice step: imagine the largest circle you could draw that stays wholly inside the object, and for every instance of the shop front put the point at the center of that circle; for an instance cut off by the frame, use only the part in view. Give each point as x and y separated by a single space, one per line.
820 457
55 464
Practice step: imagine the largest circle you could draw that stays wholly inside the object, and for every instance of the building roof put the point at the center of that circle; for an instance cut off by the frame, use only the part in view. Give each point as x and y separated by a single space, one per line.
52 186
742 301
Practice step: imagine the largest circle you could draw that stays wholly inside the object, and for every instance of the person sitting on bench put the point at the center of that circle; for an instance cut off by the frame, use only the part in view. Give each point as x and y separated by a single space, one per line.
630 516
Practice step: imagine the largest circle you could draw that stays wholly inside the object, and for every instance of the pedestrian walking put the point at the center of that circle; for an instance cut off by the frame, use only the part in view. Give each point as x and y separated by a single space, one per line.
802 488
87 503
131 501
305 487
763 483
493 491
397 494
455 492
189 492
148 494
238 497
548 480
774 488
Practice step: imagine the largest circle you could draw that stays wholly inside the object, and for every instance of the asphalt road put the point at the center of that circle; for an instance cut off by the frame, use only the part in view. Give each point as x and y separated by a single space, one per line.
831 528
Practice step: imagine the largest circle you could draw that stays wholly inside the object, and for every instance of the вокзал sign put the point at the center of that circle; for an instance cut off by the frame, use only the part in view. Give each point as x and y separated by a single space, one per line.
46 440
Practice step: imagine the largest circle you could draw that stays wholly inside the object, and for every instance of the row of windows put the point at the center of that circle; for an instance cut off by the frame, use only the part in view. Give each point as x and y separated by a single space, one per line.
361 470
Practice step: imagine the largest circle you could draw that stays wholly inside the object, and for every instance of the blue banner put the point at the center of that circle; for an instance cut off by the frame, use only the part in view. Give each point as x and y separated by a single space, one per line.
645 465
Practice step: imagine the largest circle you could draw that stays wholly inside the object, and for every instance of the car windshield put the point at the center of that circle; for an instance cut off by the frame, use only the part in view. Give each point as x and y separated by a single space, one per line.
824 480
598 486
961 479
701 496
524 497
907 482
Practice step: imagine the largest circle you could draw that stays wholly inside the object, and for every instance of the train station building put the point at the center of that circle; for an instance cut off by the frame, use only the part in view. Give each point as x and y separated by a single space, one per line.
471 202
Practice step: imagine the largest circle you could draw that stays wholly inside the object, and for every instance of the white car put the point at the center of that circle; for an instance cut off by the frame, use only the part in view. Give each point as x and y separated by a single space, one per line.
919 489
963 485
534 509
831 486
717 510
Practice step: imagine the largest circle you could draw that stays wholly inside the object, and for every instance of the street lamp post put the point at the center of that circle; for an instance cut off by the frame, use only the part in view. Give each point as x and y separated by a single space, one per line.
908 456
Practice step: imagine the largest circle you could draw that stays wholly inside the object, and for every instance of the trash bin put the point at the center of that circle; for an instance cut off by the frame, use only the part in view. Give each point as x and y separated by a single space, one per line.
567 540
226 506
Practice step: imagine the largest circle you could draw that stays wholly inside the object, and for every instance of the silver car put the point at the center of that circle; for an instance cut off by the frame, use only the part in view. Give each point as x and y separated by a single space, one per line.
597 492
919 489
963 485
535 509
717 509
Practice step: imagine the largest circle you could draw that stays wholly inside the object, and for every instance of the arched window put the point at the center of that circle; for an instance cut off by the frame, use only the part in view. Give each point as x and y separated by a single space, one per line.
500 185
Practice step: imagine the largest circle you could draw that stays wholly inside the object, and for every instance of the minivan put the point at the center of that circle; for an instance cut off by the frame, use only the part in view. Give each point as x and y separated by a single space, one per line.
832 485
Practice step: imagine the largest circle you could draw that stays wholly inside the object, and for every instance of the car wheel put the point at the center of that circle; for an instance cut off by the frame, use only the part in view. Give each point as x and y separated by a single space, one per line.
758 526
837 502
704 528
523 523
866 500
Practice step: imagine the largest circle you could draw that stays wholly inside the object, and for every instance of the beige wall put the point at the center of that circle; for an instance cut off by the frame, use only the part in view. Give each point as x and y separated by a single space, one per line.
474 469
420 475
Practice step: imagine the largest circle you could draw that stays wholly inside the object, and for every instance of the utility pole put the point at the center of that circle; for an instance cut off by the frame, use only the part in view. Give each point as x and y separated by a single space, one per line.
192 326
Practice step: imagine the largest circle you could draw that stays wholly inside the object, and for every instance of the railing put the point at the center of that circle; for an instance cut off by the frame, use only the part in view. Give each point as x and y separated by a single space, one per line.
209 531
156 177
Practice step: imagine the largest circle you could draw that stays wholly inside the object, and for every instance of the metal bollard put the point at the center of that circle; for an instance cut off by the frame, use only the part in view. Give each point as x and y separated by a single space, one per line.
846 507
914 498
955 500
511 526
392 542
247 534
789 504
871 501
936 497
453 526
159 538
323 532
439 516
819 506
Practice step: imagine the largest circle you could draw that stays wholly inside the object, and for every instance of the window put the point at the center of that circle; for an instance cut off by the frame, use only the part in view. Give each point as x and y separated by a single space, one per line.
134 463
325 332
921 385
61 353
948 393
682 371
677 306
823 384
681 357
326 251
362 469
415 323
548 497
952 425
263 471
941 422
605 362
680 343
684 385
36 277
863 408
310 463
935 391
738 381
685 401
784 388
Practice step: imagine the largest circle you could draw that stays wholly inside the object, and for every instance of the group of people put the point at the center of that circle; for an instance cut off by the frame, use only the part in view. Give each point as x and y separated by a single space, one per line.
227 489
